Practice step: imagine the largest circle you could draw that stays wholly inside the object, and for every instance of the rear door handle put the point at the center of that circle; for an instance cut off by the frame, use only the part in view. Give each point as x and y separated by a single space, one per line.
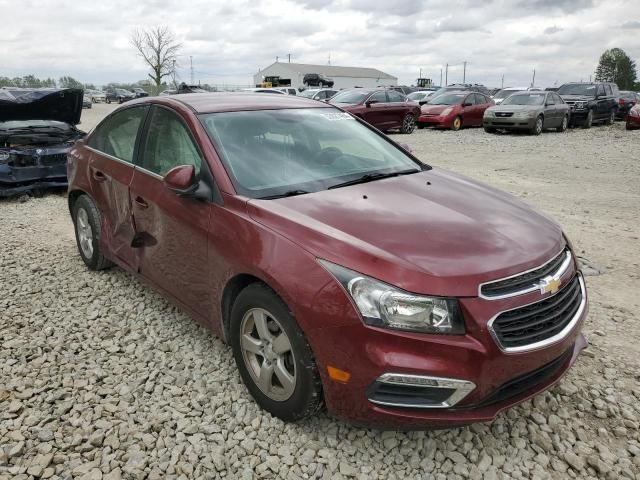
99 176
141 202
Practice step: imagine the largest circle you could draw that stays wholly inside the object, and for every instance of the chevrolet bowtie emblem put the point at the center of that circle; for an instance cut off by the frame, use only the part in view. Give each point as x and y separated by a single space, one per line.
550 285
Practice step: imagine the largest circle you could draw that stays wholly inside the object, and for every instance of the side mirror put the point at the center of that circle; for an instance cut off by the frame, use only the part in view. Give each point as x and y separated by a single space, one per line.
466 104
368 103
181 179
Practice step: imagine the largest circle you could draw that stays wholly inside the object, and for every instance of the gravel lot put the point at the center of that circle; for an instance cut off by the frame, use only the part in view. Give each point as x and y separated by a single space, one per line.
100 378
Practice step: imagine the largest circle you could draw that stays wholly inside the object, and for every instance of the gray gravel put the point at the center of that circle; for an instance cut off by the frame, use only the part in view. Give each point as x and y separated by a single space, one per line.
100 378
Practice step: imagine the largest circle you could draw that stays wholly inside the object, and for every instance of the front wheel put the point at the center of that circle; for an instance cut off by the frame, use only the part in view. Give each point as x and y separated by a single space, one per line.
273 356
457 124
564 125
589 120
538 126
86 220
408 124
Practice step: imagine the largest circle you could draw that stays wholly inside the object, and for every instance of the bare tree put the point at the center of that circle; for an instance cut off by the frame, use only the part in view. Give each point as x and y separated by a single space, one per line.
159 49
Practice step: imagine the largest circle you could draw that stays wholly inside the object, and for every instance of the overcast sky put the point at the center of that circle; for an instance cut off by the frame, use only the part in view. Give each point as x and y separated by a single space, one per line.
230 40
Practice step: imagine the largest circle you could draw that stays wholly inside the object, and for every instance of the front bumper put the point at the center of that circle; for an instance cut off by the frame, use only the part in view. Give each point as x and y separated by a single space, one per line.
509 123
436 121
499 379
29 169
633 122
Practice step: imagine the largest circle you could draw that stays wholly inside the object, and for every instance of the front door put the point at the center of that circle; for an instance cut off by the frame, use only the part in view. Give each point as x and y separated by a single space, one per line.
171 230
112 147
377 112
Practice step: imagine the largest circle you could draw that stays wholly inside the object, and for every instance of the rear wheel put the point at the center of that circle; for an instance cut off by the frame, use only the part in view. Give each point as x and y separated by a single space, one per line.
457 124
273 356
589 120
86 220
564 125
612 117
538 126
408 124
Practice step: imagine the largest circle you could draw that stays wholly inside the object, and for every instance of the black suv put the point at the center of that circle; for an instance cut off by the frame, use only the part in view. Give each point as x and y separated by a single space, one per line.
119 95
317 80
591 102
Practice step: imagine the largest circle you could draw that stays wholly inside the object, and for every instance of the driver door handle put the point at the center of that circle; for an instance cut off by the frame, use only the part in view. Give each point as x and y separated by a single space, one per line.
141 202
99 176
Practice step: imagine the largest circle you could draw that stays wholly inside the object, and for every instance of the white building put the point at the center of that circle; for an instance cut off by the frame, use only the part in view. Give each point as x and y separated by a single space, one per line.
344 77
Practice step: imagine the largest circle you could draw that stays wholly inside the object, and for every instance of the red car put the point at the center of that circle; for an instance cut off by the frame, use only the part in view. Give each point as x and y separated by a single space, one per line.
454 110
633 118
340 268
384 109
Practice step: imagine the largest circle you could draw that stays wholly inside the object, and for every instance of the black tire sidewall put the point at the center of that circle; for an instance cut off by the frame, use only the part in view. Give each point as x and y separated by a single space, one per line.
86 204
306 397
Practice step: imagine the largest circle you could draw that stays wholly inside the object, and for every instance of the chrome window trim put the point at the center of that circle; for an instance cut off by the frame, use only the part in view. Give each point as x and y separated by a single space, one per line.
462 389
547 341
95 150
149 172
557 274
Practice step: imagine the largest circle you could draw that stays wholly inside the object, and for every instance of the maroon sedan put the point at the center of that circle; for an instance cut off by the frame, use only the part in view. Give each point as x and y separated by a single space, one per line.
633 118
454 110
340 268
384 109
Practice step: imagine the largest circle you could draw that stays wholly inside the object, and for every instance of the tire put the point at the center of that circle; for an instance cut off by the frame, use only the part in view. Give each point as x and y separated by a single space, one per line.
108 100
564 125
612 117
538 126
420 126
408 124
87 224
588 122
456 124
489 130
300 395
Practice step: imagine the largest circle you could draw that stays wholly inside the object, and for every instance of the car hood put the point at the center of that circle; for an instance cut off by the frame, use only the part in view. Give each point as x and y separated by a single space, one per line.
434 109
514 108
432 228
63 105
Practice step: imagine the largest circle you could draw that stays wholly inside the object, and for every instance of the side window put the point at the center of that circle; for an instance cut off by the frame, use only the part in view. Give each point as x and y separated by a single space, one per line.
395 96
470 100
607 89
116 136
168 144
481 99
380 97
600 90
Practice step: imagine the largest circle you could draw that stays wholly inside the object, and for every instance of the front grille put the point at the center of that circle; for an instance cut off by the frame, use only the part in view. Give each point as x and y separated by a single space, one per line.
524 282
525 382
504 114
54 159
540 321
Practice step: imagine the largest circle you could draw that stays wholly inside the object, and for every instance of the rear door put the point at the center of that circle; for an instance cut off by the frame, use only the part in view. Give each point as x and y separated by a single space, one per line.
398 108
483 102
171 230
113 146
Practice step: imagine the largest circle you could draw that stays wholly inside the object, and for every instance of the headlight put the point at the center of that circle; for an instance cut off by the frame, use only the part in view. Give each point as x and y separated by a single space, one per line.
530 114
488 113
446 112
382 305
580 105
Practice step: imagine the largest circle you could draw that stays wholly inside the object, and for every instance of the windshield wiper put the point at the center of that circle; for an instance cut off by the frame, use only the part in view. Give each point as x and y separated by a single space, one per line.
290 193
370 177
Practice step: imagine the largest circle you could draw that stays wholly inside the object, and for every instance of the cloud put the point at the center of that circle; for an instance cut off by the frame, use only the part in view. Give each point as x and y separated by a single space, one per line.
631 25
552 30
567 6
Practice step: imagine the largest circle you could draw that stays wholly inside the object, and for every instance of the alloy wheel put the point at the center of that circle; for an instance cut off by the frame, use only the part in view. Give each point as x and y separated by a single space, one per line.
85 233
565 124
267 354
409 124
457 123
539 123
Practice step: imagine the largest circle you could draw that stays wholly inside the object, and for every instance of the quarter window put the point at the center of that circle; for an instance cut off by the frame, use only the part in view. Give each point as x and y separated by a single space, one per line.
600 90
395 96
607 89
116 136
168 144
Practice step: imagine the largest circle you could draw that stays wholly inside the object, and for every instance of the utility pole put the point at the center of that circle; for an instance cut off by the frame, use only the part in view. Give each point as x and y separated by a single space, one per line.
533 80
446 75
289 55
191 67
420 74
173 72
502 83
464 73
276 59
441 77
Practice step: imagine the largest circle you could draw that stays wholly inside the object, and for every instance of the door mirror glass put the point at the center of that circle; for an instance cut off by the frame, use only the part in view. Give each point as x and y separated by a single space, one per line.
181 179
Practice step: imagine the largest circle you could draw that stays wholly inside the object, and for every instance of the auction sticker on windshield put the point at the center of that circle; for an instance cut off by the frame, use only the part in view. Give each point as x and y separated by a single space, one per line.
337 116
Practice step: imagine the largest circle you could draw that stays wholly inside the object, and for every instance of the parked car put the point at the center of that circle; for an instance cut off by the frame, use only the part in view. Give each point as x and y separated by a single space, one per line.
318 93
454 110
264 90
97 96
421 97
317 80
591 102
287 90
384 109
168 92
140 92
531 111
403 89
398 294
626 102
633 118
37 129
506 92
119 95
86 100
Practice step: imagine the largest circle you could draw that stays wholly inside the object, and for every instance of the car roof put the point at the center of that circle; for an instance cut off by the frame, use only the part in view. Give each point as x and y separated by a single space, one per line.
237 101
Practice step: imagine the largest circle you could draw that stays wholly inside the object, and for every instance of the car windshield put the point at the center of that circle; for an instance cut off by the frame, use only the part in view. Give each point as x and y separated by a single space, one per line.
417 95
525 99
578 89
273 153
505 93
447 99
308 93
352 96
